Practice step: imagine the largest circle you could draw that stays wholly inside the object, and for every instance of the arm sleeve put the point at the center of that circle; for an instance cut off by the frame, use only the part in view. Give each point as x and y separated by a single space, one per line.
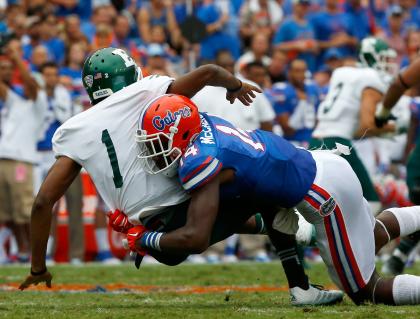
195 172
63 144
158 84
372 80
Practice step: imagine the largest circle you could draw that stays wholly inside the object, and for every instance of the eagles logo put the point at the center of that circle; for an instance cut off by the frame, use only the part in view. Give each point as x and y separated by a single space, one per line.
89 80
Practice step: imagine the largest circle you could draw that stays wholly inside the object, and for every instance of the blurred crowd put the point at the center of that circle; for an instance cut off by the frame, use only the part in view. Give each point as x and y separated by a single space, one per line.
288 47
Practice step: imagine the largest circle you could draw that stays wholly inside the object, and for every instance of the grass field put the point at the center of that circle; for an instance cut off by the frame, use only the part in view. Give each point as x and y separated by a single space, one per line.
245 290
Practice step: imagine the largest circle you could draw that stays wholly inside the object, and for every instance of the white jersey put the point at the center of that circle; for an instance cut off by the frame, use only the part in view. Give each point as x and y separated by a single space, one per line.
102 140
21 126
212 99
339 114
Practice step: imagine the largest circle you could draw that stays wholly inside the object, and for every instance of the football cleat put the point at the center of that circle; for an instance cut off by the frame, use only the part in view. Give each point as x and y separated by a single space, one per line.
314 296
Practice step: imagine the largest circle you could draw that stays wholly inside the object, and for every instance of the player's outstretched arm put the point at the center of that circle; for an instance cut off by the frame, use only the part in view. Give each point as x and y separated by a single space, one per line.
213 75
59 178
405 80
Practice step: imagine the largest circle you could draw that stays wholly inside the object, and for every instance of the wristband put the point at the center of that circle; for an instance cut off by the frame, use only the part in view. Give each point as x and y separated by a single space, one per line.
151 240
38 273
237 89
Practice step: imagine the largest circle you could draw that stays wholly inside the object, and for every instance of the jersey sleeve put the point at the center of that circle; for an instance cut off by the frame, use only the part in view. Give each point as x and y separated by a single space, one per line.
65 143
158 84
371 79
197 170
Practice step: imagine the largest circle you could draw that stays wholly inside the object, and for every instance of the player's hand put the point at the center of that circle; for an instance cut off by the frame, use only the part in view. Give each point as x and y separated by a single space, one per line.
382 116
134 236
35 280
119 221
244 93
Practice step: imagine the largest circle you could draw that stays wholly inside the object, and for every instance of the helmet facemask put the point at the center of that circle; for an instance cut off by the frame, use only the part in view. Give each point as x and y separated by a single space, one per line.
157 152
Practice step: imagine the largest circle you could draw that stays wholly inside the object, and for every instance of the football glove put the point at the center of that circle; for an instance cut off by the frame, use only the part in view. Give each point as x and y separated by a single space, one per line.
119 221
382 116
135 234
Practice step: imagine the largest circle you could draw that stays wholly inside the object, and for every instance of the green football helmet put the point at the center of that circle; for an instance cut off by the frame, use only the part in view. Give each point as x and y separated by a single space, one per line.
376 53
107 71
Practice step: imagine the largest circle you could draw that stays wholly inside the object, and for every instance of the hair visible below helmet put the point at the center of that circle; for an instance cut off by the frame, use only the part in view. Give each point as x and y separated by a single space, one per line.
375 53
168 125
107 71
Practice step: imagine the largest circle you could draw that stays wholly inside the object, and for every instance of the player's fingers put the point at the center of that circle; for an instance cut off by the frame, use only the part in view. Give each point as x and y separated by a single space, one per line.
256 89
248 98
252 94
244 101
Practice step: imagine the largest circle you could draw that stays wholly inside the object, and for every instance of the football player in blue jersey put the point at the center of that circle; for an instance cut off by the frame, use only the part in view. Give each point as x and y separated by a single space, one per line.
216 161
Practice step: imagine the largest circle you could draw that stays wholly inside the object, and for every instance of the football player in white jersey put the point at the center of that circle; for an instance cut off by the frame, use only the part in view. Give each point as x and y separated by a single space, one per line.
348 110
102 140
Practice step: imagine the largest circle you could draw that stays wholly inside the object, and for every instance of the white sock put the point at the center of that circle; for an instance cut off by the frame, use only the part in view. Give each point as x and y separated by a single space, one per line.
408 219
50 245
101 235
406 290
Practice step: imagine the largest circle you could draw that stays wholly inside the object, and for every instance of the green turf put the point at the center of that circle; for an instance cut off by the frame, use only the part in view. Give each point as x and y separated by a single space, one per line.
27 304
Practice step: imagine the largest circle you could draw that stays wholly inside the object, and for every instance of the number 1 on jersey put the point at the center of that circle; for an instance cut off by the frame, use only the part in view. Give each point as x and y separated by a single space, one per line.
106 139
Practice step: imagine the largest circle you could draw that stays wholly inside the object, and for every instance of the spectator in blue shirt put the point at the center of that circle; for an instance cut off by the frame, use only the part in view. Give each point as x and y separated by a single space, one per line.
360 19
72 31
295 104
45 32
81 8
71 75
334 28
412 14
158 12
208 13
296 35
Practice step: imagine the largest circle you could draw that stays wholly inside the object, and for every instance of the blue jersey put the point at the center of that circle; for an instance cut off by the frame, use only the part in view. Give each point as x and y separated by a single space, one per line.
52 124
267 167
302 114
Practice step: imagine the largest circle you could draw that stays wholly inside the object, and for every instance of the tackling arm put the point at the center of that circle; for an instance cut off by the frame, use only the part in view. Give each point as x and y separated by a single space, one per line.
59 178
213 75
194 237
